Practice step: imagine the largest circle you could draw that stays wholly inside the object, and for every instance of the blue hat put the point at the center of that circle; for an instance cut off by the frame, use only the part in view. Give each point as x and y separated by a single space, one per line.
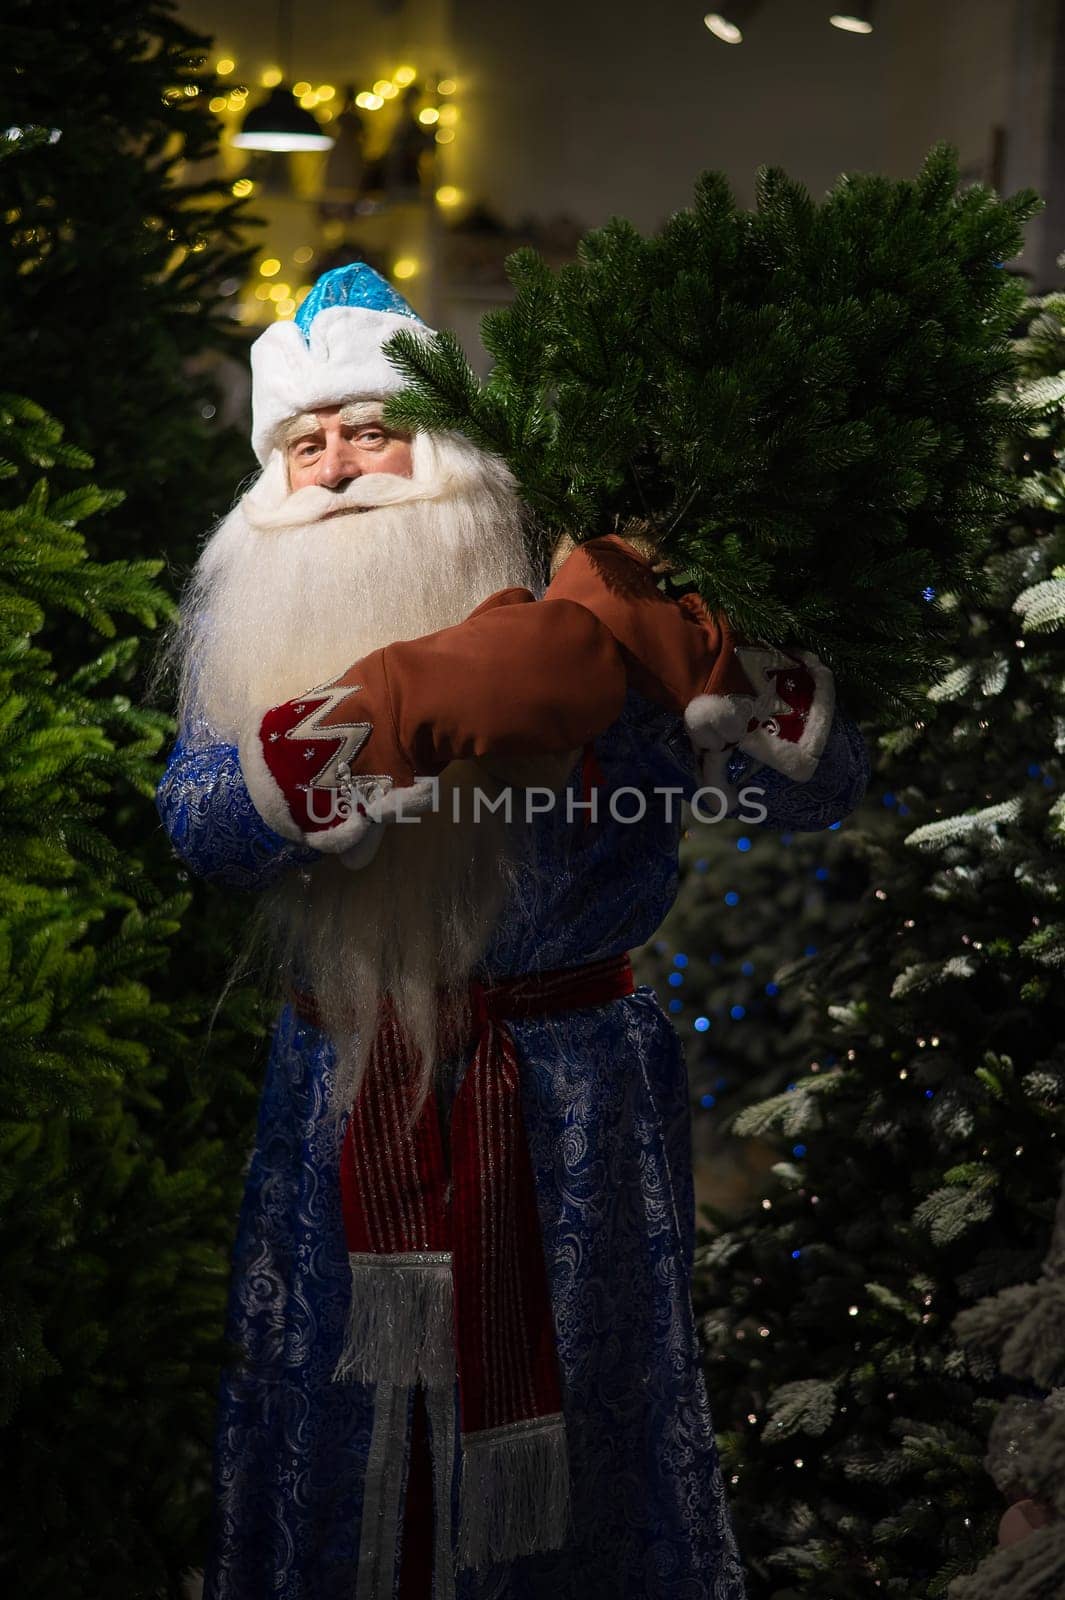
353 285
332 351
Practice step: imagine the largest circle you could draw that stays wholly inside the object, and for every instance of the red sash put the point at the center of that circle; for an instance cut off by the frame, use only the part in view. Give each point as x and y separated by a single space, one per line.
449 1277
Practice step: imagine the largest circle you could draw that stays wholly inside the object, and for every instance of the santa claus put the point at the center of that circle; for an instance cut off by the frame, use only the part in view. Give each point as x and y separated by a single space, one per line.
461 1285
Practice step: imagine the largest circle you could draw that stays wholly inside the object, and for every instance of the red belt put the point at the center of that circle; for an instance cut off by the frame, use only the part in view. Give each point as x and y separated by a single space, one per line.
489 1318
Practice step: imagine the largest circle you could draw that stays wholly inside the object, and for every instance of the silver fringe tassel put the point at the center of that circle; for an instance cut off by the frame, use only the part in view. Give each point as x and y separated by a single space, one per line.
514 1491
400 1322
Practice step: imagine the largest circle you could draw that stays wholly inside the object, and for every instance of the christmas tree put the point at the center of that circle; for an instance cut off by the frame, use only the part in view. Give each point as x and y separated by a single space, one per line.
125 1138
116 1201
1021 1328
118 251
753 908
655 382
919 1142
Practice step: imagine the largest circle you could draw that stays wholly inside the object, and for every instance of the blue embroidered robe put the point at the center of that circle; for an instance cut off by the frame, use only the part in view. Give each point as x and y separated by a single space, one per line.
606 1109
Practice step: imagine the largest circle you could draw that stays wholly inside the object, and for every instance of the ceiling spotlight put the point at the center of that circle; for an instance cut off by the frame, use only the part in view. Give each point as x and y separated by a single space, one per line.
728 25
857 21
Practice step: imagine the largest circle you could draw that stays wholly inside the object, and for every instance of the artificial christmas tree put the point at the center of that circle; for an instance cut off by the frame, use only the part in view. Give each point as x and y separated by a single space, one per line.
120 249
1021 1329
655 381
754 906
927 1167
125 1147
116 1200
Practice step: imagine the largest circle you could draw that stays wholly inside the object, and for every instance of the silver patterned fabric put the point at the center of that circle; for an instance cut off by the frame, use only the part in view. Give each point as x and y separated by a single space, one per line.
606 1108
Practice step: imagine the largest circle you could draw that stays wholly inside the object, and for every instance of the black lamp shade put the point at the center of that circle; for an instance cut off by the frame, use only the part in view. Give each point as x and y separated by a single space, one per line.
281 123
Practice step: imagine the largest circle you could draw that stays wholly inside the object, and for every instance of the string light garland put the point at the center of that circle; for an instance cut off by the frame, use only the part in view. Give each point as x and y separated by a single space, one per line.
317 105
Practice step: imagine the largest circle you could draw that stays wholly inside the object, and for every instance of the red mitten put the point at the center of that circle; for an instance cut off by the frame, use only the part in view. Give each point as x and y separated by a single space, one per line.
774 705
516 678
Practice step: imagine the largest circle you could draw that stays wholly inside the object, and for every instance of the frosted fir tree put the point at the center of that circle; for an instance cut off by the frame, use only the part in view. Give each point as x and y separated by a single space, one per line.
1021 1329
754 907
918 1171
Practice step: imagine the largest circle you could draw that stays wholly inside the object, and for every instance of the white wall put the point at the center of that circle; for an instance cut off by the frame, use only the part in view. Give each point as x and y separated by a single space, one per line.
593 108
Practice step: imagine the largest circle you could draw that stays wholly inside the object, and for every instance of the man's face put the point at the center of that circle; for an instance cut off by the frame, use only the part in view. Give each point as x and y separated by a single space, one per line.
332 446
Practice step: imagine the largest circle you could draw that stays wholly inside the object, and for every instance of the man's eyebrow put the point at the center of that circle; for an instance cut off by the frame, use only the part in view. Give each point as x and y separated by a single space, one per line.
298 427
361 412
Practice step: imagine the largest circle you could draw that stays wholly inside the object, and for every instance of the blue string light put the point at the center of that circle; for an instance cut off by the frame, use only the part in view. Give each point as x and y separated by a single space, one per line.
798 1150
732 898
701 1024
795 1254
680 961
821 874
748 969
676 1005
888 798
743 843
834 827
1035 770
737 1013
811 950
772 989
928 594
929 1094
675 980
707 1100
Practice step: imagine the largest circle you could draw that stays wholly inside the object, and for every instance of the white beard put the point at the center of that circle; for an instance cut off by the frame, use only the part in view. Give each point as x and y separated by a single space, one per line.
282 600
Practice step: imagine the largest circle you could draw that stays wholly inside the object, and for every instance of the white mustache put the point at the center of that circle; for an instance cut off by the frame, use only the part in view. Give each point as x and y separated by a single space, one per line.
313 502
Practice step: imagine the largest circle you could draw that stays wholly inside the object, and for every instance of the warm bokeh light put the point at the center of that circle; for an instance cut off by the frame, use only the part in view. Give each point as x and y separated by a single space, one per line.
271 78
285 308
404 75
384 87
218 103
429 115
325 91
243 187
448 195
309 101
405 267
303 254
850 24
449 115
444 135
722 28
280 291
270 267
446 86
224 67
301 88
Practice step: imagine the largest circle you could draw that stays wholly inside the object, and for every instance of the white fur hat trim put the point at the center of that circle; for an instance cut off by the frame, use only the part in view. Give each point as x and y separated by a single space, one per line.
342 358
